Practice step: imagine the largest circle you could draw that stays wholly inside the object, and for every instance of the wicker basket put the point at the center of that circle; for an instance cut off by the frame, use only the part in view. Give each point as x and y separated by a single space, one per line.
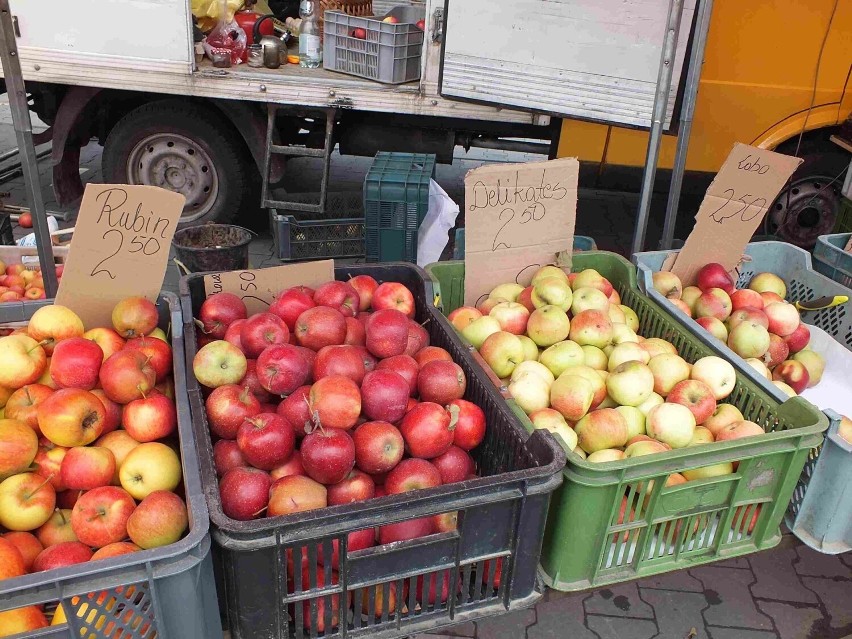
360 8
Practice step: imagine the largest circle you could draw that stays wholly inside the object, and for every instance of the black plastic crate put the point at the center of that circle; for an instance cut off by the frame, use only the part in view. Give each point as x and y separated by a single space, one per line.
501 517
396 199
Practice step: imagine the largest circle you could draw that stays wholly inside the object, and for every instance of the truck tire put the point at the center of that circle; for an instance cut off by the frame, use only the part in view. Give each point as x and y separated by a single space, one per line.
187 148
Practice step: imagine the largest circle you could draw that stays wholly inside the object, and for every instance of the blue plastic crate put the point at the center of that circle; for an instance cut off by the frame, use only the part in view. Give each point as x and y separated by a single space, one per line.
831 260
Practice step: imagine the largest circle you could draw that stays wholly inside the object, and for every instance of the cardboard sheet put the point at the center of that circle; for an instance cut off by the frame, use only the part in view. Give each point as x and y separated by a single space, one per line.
259 287
733 208
833 389
120 248
518 218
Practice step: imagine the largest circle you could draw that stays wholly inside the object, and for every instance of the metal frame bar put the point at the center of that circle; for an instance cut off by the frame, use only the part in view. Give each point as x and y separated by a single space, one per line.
16 91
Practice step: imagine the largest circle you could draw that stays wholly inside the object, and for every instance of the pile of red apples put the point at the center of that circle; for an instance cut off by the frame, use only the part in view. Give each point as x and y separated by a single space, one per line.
19 282
332 396
570 355
88 463
755 322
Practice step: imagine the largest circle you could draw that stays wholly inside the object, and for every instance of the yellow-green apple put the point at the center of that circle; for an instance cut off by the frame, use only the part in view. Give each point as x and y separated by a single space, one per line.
530 391
159 520
630 384
793 373
552 291
27 544
23 404
536 368
690 295
635 420
648 404
713 303
705 472
632 319
672 424
622 333
683 308
552 420
768 283
590 277
75 363
463 316
589 299
714 326
109 341
100 516
120 443
18 447
549 271
71 417
127 375
718 374
737 430
668 284
45 378
784 388
714 275
48 462
723 415
21 620
668 370
648 446
749 339
657 346
813 362
365 286
701 436
150 418
479 329
844 430
562 356
511 316
548 325
596 378
572 396
24 360
115 550
601 429
626 352
50 324
777 352
5 394
798 339
530 348
593 357
744 298
502 351
760 367
746 314
614 297
26 501
696 396
57 529
783 318
509 291
605 455
591 328
616 315
87 467
134 317
219 363
488 303
148 467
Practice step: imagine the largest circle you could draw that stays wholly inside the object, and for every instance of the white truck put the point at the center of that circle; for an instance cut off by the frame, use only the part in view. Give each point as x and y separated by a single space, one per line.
494 73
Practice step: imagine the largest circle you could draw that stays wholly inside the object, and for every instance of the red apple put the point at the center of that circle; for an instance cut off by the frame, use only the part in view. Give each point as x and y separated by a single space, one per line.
335 401
325 577
356 486
227 407
150 418
295 494
404 366
134 317
360 33
796 341
745 297
387 333
431 353
384 396
441 382
48 462
121 444
266 440
159 520
696 396
57 529
227 455
126 376
356 333
393 295
112 411
71 417
405 530
262 331
339 360
358 540
418 338
714 275
219 311
100 516
115 550
292 303
251 381
87 467
282 369
446 522
412 474
244 493
792 373
28 546
470 424
427 430
454 465
293 466
463 316
328 454
75 363
22 406
429 595
158 352
379 447
296 409
62 554
320 326
233 332
777 352
340 296
365 286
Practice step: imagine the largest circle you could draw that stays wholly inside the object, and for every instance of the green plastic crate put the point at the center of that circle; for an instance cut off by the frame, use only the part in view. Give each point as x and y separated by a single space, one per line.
844 216
676 527
396 199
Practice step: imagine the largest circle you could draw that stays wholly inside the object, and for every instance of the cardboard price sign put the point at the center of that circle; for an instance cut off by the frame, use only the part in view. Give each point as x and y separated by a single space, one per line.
733 208
120 248
518 218
258 288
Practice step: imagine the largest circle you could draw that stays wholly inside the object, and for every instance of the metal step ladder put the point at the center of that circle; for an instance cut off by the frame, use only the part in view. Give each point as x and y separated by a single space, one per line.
297 151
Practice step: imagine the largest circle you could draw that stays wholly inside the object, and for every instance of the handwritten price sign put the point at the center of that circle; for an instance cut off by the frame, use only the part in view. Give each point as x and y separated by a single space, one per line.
733 208
120 248
518 217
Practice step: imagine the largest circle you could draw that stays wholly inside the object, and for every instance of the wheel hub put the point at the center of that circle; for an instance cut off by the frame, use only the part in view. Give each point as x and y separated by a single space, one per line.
176 163
805 210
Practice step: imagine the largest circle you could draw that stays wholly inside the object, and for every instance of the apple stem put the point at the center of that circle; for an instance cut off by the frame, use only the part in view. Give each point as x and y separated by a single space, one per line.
259 511
41 485
454 416
42 343
62 516
139 388
200 325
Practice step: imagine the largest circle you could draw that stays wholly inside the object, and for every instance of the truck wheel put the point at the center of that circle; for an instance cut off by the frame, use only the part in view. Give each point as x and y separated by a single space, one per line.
186 148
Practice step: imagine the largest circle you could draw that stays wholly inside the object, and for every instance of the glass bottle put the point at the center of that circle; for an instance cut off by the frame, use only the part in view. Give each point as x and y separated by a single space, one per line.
310 46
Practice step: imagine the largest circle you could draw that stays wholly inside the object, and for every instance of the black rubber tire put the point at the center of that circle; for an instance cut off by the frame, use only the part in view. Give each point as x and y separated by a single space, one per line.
238 194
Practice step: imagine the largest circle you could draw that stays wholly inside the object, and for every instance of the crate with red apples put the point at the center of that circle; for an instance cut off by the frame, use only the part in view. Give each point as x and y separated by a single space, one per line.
91 442
346 429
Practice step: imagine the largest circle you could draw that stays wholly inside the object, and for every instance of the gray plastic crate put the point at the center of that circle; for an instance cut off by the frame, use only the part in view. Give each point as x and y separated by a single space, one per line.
173 594
390 53
831 260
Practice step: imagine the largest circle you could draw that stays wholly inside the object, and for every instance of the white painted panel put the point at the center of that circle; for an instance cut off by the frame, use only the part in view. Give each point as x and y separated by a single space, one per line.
112 32
595 59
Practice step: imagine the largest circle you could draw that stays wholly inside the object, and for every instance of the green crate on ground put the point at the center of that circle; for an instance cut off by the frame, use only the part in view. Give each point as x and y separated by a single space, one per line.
396 199
587 542
844 216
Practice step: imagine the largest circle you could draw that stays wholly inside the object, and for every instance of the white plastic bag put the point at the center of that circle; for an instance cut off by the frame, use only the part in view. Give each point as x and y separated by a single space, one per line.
30 240
434 231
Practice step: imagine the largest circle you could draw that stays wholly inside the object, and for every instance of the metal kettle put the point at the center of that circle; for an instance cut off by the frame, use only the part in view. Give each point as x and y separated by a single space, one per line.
270 44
